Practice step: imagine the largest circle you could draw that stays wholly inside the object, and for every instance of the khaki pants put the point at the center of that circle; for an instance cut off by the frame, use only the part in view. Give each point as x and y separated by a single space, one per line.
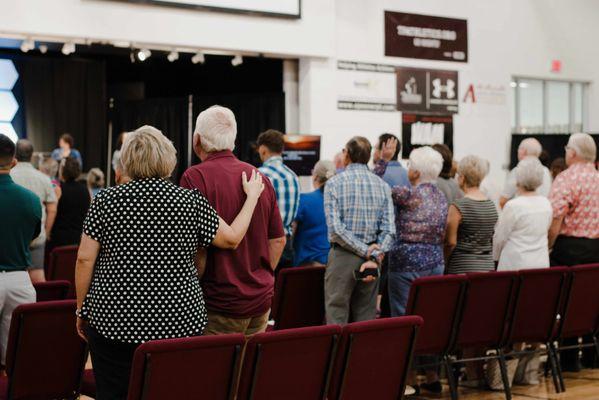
343 294
219 324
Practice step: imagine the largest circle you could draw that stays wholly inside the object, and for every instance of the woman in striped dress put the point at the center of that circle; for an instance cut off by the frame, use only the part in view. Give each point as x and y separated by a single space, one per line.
470 223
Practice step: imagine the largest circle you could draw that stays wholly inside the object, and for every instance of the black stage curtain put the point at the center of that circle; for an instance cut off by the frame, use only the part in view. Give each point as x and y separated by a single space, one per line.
553 144
170 115
66 95
254 112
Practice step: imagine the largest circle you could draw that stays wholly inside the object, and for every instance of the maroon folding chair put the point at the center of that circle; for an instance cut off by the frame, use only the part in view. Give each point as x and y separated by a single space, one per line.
203 367
88 384
62 266
373 359
487 308
45 356
196 367
299 298
289 364
51 290
580 315
536 313
438 300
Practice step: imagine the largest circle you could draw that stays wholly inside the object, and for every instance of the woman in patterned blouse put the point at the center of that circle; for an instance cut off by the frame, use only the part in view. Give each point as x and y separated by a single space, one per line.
137 275
420 217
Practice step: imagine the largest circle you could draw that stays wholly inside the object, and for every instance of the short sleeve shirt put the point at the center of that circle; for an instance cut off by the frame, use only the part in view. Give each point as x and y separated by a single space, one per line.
145 284
575 197
238 283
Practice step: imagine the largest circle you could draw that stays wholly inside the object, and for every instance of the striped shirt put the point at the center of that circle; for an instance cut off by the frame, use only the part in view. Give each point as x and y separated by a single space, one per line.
287 188
474 248
359 210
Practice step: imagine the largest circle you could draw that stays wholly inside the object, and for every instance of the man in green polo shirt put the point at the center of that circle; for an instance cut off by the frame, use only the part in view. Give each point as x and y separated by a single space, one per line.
20 223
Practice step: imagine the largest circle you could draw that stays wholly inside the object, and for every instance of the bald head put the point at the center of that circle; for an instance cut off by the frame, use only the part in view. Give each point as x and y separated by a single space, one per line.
24 150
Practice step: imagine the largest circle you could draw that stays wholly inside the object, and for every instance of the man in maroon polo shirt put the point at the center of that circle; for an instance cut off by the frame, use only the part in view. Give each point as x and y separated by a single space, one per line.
238 284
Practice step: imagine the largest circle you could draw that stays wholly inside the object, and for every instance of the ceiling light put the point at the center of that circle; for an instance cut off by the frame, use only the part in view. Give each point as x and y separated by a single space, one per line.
143 54
198 58
68 48
27 44
173 56
43 48
237 60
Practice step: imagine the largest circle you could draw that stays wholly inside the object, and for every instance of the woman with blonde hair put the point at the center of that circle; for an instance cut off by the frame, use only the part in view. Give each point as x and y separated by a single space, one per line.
310 242
95 181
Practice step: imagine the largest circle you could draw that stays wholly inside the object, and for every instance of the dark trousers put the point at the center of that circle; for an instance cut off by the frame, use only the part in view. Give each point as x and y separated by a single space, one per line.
569 251
286 260
111 361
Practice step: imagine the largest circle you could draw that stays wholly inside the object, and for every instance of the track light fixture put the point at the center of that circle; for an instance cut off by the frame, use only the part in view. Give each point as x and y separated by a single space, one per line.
172 56
43 48
143 54
237 60
198 58
68 48
27 44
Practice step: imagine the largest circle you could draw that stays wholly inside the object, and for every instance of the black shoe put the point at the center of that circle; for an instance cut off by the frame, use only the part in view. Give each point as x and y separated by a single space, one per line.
434 387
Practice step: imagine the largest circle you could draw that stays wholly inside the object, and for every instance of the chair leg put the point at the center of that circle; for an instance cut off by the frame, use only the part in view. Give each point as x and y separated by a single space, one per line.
559 368
453 388
596 341
553 363
504 375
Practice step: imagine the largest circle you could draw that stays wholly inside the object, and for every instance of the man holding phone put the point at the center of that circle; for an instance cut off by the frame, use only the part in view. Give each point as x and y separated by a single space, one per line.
360 221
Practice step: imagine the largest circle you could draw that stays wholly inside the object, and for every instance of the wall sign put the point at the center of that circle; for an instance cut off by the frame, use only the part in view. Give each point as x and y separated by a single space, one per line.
426 37
301 153
427 91
425 130
365 86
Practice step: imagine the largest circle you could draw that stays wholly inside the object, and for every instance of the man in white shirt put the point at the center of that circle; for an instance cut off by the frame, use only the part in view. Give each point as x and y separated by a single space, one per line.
529 148
24 174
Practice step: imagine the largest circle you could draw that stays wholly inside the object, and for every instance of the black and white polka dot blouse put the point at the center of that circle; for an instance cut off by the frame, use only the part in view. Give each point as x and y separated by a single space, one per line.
145 284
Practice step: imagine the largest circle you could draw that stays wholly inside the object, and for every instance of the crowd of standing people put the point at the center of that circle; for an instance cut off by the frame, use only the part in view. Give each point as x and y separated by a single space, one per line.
160 260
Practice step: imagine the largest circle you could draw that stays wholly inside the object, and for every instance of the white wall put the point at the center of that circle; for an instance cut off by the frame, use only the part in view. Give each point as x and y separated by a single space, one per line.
311 35
506 38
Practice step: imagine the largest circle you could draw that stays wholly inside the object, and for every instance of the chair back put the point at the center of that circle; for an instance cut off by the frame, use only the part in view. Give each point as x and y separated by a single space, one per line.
62 266
51 290
581 314
488 304
203 367
537 304
374 358
438 300
292 364
45 356
299 298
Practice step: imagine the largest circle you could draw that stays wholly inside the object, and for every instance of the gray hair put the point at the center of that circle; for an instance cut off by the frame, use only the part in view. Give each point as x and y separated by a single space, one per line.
584 146
427 162
49 166
217 129
473 169
324 170
532 146
529 174
147 153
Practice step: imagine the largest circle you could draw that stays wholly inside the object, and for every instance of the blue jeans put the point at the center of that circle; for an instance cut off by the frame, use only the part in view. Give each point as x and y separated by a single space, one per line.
399 287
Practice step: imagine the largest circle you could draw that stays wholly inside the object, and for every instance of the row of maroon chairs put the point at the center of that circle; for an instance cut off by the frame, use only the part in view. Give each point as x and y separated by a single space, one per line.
46 358
498 309
61 266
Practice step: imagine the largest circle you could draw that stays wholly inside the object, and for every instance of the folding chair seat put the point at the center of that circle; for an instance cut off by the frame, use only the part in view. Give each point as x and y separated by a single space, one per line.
487 309
299 298
45 356
289 364
536 310
438 300
374 358
62 266
51 290
580 315
203 367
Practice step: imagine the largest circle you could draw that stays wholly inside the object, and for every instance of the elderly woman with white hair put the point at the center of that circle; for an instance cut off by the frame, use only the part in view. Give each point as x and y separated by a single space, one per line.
136 273
470 223
520 240
310 242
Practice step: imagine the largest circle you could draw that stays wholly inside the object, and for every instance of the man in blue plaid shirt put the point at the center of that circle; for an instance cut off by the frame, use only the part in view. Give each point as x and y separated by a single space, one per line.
285 182
361 223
